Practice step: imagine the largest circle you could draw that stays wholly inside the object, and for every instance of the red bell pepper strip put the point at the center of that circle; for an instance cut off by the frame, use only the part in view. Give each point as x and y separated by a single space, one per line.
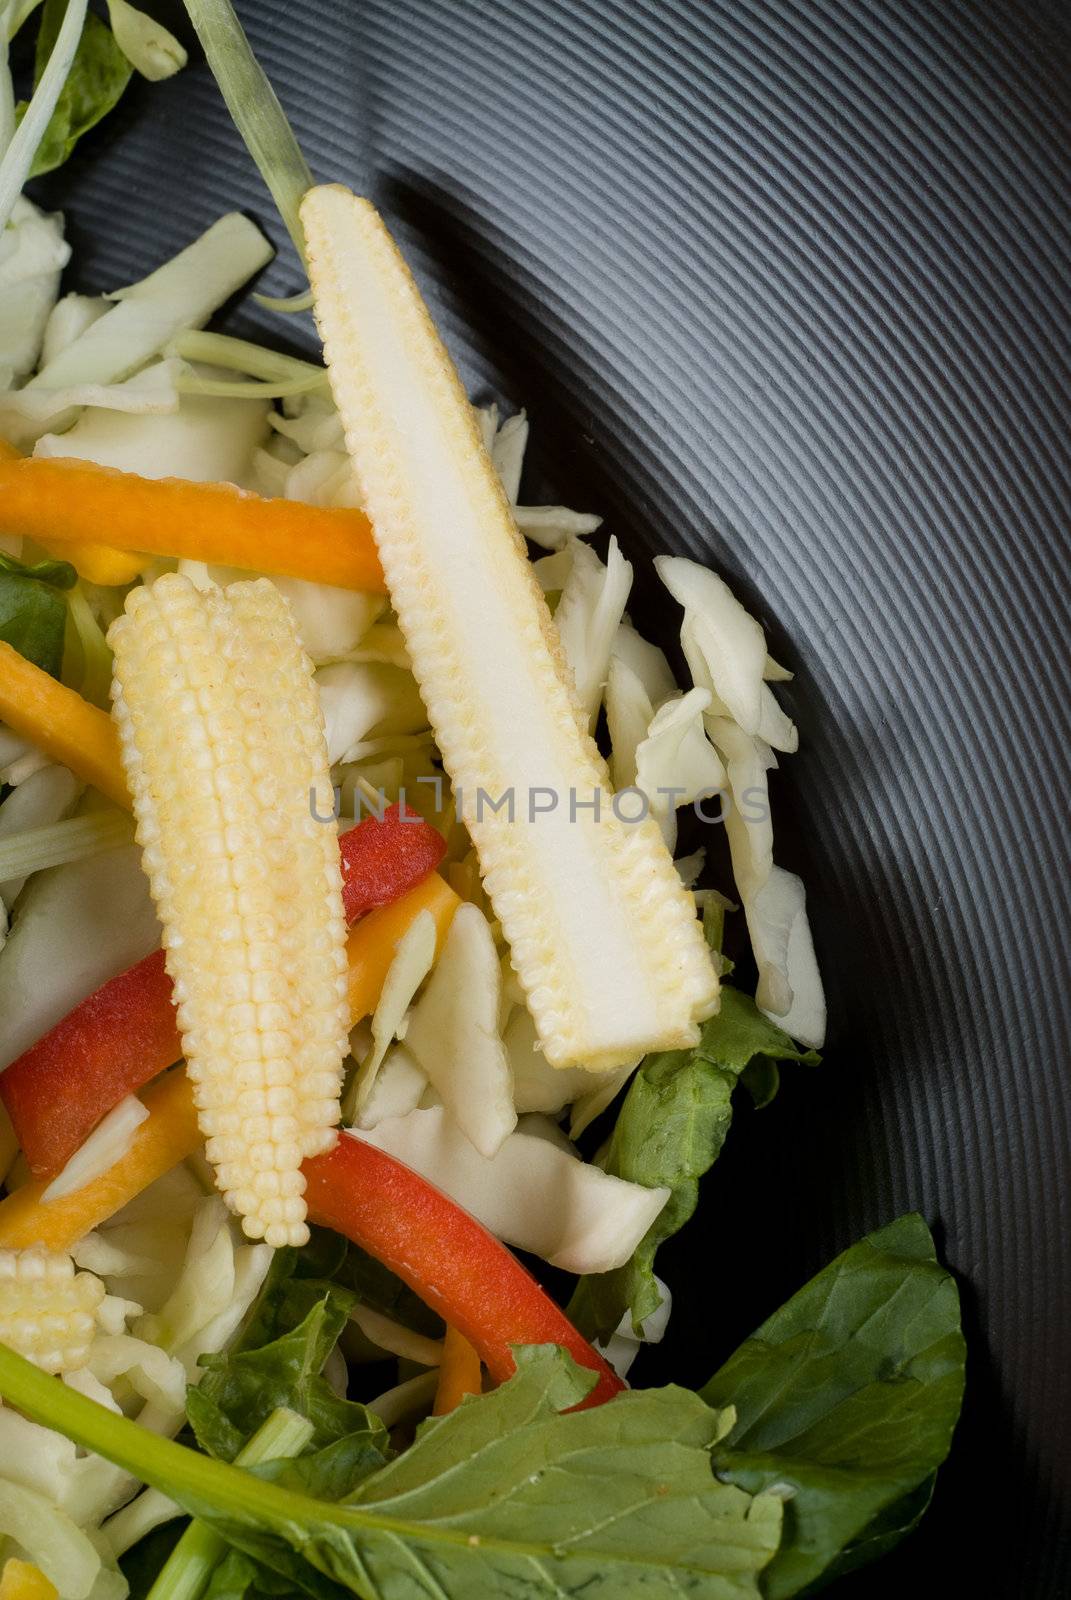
124 1034
383 857
446 1256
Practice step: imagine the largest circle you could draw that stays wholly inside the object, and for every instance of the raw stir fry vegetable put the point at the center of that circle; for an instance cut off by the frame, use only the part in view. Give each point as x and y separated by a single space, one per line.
347 948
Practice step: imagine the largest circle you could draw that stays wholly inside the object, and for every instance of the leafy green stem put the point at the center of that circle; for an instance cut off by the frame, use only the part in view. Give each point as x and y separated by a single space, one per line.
199 1551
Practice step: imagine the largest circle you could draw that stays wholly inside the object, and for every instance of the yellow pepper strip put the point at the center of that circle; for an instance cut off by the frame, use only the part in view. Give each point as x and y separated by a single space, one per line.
459 1373
170 1133
167 1136
61 723
373 941
99 563
21 1580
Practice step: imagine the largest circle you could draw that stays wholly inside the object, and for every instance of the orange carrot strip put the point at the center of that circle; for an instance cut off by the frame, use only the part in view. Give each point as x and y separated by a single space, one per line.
170 1134
61 723
460 1373
64 500
94 562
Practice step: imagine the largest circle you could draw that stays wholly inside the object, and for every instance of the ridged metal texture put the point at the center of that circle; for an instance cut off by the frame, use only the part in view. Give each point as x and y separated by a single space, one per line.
785 287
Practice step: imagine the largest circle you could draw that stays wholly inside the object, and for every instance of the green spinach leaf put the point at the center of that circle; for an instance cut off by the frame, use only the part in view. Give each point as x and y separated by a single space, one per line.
848 1397
241 1389
670 1130
33 613
99 74
510 1494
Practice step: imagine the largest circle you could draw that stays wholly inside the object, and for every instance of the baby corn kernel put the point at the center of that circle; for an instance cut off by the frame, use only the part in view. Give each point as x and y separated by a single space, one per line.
223 743
48 1312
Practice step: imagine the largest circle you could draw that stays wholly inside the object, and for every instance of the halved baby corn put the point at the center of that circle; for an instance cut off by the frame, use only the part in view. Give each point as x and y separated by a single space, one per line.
48 1312
223 743
603 938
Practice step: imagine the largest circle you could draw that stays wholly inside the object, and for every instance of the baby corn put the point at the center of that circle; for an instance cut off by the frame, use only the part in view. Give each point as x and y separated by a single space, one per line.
223 744
48 1312
603 937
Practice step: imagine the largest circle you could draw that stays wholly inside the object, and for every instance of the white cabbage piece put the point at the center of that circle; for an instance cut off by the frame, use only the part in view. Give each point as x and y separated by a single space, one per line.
324 478
408 1399
149 1370
790 985
537 1086
507 453
453 1033
647 661
552 573
676 755
45 796
310 422
414 957
207 1288
68 320
331 622
107 1144
52 1541
588 615
50 1464
555 527
629 713
623 1346
726 650
152 392
602 1094
77 926
690 867
363 698
183 293
148 1510
207 440
748 820
398 1087
531 1194
33 254
395 1338
19 759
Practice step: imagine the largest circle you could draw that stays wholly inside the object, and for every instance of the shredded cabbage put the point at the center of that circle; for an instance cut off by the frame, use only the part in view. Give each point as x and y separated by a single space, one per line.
206 441
77 926
453 1033
537 1086
413 960
107 1144
532 1193
33 253
588 614
398 1087
45 797
65 1554
68 320
363 698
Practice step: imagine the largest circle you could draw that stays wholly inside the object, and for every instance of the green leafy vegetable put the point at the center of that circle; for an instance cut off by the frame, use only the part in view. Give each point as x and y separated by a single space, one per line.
98 75
670 1131
504 1496
848 1395
200 1549
33 615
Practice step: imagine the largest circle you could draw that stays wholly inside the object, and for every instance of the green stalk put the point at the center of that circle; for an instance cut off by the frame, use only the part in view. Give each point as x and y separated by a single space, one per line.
255 108
242 355
200 1550
57 843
